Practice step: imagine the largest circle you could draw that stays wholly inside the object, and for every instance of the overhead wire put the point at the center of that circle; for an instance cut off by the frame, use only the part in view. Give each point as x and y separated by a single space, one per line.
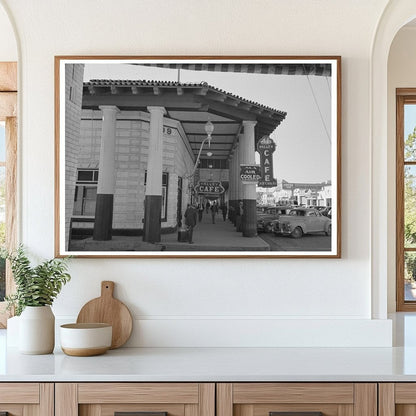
318 107
329 86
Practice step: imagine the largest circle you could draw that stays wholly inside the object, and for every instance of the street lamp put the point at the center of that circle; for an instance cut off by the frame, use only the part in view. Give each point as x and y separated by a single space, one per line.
209 128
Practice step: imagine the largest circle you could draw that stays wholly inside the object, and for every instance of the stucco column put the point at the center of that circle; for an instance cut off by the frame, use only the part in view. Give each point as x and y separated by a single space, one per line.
231 189
153 199
247 156
106 178
238 184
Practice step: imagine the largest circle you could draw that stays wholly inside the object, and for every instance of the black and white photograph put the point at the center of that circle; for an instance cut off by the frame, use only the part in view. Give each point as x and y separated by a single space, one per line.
198 157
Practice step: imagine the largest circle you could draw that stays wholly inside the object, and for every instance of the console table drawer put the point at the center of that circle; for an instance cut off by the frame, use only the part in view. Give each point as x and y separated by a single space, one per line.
145 399
297 399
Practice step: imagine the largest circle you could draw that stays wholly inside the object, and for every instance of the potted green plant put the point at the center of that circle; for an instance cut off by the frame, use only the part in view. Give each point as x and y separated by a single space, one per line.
36 289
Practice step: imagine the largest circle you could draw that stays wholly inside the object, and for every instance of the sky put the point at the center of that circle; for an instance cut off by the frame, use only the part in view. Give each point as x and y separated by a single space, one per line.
303 142
409 119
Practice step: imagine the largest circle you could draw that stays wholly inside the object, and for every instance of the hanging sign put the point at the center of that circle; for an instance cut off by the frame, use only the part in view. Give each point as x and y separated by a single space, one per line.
250 174
212 188
266 148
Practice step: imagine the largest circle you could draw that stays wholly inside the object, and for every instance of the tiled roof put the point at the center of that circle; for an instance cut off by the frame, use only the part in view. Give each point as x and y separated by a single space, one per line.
173 84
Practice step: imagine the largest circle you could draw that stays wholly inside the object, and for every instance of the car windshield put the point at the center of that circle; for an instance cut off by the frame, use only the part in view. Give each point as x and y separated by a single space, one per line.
295 212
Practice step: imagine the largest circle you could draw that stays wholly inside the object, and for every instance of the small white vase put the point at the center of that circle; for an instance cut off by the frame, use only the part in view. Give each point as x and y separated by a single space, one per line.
37 330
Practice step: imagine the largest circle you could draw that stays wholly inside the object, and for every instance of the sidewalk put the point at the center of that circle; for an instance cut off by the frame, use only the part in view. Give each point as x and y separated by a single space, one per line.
221 236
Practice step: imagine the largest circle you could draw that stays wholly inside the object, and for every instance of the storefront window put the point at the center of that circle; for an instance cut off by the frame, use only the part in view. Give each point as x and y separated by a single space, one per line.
85 192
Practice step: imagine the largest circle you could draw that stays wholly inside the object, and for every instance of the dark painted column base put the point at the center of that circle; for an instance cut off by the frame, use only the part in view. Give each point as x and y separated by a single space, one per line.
231 212
103 224
249 218
152 213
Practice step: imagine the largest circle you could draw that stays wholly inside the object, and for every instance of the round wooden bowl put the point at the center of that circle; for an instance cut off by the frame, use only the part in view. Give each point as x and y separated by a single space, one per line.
84 340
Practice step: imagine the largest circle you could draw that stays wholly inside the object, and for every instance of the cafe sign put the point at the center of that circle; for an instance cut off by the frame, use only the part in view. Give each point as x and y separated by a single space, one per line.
209 188
250 174
266 148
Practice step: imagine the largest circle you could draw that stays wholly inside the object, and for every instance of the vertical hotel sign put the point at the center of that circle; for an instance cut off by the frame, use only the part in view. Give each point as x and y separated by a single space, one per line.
266 148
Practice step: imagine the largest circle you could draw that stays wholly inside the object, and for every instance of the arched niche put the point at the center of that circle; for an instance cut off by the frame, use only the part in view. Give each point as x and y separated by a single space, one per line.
396 15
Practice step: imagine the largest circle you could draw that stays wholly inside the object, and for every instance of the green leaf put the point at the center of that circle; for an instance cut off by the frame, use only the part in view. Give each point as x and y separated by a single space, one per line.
35 286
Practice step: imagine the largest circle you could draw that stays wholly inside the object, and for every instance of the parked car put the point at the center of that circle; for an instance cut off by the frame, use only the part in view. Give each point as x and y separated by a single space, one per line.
265 218
327 211
300 221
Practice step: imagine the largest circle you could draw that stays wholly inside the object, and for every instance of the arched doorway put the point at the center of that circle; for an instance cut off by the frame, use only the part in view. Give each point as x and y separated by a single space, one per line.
8 150
395 16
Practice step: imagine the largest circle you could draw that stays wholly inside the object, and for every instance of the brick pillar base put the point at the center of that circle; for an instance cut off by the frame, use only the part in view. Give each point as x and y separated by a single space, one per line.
233 204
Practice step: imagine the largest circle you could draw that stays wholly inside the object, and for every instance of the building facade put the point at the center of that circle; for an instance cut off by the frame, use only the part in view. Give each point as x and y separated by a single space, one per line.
144 146
131 164
297 193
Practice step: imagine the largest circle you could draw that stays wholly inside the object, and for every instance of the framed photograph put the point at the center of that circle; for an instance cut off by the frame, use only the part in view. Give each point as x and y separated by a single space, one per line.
198 156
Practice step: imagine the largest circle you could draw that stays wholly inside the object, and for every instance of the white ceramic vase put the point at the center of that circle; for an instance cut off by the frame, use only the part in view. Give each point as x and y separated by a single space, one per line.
37 330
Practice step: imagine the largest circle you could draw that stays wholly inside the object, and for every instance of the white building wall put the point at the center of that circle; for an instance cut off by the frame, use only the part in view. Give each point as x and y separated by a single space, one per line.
132 145
184 165
74 74
274 298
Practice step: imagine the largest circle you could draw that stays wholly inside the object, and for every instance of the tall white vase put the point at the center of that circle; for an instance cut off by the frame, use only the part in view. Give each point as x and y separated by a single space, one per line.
37 330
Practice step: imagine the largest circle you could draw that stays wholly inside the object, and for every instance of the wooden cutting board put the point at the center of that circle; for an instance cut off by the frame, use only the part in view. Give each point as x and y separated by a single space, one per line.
107 309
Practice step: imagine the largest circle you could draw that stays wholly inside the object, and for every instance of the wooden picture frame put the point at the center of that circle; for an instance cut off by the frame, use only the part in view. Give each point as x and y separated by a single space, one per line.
140 138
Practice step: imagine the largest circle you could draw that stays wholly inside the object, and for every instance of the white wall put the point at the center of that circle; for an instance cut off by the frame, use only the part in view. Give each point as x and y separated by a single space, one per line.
223 301
401 74
8 46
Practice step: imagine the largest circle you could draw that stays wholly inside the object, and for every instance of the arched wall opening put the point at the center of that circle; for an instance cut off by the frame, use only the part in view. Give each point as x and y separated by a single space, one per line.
401 73
386 75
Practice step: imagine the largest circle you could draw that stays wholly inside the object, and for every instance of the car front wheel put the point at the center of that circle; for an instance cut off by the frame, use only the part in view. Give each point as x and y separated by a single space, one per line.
297 232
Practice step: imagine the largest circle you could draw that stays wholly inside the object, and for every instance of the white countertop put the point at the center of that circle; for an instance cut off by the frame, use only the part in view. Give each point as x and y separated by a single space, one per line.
221 364
215 364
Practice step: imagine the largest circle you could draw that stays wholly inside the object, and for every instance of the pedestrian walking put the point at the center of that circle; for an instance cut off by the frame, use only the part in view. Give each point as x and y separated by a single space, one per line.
214 210
224 210
231 214
190 221
207 206
200 212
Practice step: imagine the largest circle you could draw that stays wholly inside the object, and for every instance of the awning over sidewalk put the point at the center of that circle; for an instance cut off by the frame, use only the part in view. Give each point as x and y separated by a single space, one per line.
274 69
192 104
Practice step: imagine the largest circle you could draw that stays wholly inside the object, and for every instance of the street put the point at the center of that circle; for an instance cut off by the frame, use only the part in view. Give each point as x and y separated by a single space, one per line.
309 242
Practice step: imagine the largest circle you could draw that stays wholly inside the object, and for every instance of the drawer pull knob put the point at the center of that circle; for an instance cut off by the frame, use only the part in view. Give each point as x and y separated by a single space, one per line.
295 413
140 414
